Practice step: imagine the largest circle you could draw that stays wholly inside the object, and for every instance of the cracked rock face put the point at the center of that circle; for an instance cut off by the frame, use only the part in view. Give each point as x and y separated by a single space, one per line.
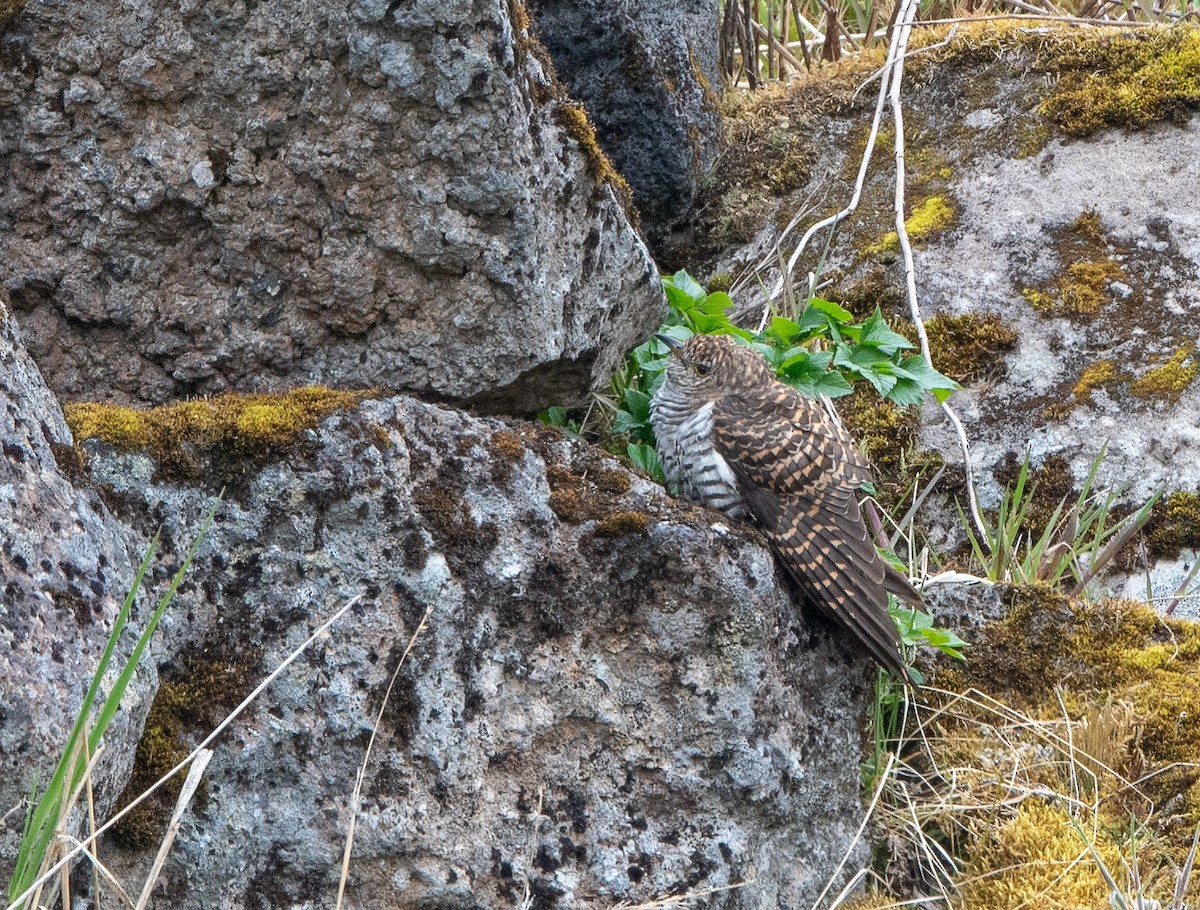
65 567
612 697
256 196
648 75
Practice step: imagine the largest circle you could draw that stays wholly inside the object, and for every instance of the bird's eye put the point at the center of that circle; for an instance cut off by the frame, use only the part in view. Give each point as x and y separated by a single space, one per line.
702 369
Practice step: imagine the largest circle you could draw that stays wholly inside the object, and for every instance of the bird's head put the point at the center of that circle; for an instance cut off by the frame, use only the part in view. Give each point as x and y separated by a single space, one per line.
706 366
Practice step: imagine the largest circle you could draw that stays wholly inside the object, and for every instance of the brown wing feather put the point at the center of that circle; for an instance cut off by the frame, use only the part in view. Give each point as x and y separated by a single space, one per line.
799 473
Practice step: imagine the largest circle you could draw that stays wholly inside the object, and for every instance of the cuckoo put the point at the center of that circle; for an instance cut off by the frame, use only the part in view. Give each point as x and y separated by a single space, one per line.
734 437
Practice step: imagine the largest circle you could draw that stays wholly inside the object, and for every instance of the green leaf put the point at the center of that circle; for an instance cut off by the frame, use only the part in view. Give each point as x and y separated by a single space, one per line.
809 374
830 309
717 303
553 416
906 392
645 458
929 378
876 333
684 283
867 363
785 330
637 403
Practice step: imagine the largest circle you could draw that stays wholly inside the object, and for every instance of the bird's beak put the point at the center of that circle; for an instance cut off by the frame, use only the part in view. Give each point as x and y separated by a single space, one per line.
669 341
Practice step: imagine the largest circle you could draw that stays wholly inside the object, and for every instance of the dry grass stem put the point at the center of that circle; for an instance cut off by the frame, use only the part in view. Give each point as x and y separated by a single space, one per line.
190 784
356 798
682 901
83 845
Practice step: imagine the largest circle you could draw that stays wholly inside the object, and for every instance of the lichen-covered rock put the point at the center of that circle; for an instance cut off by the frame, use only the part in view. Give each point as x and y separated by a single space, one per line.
65 567
612 698
648 76
257 196
1049 185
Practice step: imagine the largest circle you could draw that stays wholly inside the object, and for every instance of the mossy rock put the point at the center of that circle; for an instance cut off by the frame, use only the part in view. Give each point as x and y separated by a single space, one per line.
253 428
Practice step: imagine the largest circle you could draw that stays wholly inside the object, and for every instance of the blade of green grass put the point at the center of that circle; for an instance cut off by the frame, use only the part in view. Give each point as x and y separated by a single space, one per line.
41 822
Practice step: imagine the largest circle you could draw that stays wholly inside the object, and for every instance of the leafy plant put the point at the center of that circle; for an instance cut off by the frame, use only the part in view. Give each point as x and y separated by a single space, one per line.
1077 542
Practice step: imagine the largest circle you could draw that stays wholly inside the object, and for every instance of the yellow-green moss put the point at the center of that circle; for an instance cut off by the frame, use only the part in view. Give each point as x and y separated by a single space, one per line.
1168 382
721 281
1174 525
1088 653
189 703
885 431
622 524
249 426
1093 376
928 218
968 347
1125 80
1032 861
574 120
1080 291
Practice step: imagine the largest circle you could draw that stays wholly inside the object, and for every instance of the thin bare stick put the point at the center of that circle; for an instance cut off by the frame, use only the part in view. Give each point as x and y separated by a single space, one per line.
883 779
896 53
527 902
832 220
190 784
356 799
153 788
780 49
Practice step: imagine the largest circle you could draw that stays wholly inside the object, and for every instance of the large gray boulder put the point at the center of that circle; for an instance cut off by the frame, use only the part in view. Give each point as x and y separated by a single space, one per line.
648 75
65 567
256 196
613 697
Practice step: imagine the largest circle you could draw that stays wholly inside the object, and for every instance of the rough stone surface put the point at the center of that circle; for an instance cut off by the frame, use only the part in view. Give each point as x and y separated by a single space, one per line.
254 196
648 76
613 698
65 568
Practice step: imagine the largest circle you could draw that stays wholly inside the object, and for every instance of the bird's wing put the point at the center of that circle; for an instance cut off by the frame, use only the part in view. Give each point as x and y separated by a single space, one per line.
799 473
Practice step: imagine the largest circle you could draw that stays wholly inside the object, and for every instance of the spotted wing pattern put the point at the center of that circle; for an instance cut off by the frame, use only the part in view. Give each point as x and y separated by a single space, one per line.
799 474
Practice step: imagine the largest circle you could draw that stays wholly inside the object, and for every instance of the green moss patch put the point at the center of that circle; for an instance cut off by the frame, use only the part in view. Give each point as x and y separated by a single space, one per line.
929 217
1174 525
1169 381
1090 652
253 427
1083 286
1125 79
571 116
967 347
192 699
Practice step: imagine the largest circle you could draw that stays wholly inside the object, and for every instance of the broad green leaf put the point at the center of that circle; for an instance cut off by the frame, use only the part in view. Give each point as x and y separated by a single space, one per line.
831 309
876 333
717 303
867 363
785 330
906 392
645 458
685 283
554 416
921 370
680 301
637 403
